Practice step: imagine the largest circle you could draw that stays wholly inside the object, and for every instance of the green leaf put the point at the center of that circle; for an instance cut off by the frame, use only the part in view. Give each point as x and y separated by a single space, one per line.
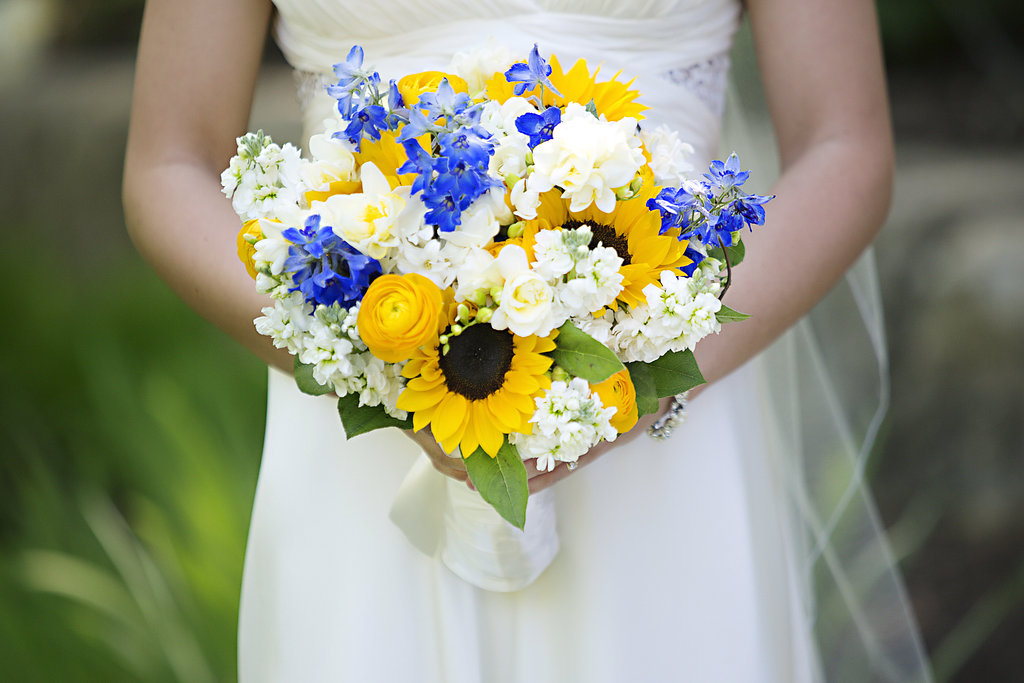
308 385
727 315
357 419
736 252
583 356
643 385
592 108
675 372
501 481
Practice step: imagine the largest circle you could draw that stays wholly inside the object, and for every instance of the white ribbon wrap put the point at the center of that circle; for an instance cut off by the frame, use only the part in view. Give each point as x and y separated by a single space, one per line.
443 516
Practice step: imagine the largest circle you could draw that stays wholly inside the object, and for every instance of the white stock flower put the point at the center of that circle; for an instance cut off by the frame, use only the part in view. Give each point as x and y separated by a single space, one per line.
589 158
383 383
568 421
286 322
597 282
669 155
554 255
263 179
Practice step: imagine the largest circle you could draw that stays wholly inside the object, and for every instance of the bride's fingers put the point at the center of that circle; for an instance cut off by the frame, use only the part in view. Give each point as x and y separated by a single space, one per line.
448 466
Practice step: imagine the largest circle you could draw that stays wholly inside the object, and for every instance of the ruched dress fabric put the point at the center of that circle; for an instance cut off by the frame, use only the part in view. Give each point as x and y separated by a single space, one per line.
675 560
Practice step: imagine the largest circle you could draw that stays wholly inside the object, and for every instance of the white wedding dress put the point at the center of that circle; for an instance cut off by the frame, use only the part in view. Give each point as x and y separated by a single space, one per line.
678 557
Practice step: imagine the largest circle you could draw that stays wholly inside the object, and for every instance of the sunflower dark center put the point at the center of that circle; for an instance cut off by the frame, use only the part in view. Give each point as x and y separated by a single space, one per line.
604 235
477 361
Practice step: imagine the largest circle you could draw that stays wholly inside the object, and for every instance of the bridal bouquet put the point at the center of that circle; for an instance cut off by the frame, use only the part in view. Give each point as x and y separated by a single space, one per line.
499 253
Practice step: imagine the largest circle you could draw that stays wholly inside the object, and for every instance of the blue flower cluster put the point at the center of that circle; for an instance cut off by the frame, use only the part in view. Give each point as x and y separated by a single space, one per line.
360 101
711 212
325 268
455 175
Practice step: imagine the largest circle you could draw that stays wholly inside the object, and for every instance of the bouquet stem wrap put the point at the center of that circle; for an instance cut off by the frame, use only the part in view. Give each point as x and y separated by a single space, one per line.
471 538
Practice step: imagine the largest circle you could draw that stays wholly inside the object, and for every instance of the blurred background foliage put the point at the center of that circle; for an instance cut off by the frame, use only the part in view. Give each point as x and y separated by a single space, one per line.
130 429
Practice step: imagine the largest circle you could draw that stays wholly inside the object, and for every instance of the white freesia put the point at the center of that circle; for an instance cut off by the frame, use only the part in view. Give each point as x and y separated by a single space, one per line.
366 219
589 158
525 199
669 155
272 250
433 260
499 118
481 221
332 161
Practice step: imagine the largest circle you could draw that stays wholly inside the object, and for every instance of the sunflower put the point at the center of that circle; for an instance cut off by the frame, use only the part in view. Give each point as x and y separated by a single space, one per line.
479 391
631 229
613 98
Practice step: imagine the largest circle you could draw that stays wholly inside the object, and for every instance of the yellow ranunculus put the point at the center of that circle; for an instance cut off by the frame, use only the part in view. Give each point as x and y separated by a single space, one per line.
618 391
246 250
398 315
414 85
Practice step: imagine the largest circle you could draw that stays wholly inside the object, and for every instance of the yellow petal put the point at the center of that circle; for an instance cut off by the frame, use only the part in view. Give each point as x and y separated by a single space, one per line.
469 441
449 416
520 382
491 438
421 419
418 400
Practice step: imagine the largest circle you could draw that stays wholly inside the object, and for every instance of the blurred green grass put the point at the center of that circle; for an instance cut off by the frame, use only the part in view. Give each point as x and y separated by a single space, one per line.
132 434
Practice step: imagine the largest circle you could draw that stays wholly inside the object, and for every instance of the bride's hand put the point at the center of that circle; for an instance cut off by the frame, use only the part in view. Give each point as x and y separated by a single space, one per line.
445 464
539 480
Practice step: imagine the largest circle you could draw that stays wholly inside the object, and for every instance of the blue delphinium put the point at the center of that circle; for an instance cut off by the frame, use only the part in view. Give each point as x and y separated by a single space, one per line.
366 122
714 210
695 257
361 102
419 162
539 127
397 111
445 102
351 81
676 204
326 268
533 74
725 176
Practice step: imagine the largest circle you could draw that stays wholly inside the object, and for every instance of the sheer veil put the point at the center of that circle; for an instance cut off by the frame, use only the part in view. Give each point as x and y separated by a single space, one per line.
824 392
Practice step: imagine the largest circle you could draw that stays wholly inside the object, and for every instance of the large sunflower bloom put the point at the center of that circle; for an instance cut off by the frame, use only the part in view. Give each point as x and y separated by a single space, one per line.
613 98
631 229
481 390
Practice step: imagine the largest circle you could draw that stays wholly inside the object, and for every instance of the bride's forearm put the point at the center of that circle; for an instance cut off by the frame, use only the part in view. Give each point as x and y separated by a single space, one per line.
830 203
182 224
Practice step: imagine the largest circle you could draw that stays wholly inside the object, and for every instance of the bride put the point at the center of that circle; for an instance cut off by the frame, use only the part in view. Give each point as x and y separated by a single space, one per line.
704 557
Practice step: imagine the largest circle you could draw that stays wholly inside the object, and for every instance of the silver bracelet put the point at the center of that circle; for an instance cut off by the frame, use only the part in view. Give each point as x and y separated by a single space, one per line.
675 416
